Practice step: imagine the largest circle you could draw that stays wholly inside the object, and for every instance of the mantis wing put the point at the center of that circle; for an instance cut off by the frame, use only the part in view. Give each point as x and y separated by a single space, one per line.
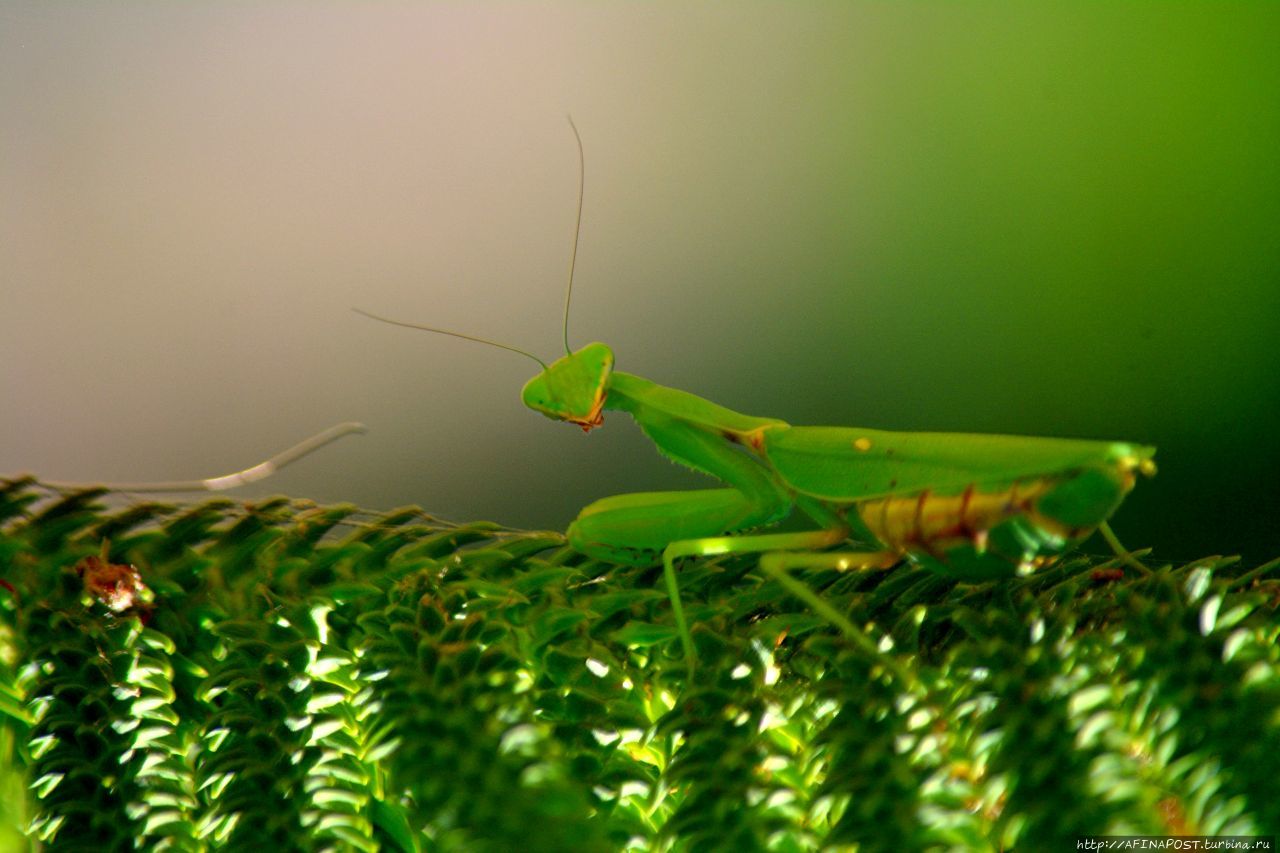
849 464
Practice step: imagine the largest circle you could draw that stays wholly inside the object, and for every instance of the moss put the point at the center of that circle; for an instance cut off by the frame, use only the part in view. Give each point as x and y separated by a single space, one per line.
312 677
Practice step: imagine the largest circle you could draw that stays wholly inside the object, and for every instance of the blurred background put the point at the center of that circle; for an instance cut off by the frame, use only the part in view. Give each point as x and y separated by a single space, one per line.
1050 219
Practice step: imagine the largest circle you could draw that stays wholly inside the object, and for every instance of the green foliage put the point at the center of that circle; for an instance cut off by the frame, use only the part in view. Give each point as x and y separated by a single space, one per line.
292 677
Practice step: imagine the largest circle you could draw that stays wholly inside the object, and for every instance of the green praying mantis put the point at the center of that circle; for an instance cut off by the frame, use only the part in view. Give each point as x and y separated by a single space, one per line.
965 505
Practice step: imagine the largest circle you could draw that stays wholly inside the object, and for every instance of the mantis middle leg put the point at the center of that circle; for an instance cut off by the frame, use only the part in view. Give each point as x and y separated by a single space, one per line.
780 552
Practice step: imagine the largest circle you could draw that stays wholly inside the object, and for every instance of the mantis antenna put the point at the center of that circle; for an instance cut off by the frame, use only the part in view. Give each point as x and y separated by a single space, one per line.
568 295
452 335
577 229
237 478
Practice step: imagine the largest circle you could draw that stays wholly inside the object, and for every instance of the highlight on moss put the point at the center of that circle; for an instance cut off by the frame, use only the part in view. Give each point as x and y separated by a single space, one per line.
277 674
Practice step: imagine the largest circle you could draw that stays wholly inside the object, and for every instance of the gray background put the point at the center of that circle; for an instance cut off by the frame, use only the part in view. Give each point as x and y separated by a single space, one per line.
1054 219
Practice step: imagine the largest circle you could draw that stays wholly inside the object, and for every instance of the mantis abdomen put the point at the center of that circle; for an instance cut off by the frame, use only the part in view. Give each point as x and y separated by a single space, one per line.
981 527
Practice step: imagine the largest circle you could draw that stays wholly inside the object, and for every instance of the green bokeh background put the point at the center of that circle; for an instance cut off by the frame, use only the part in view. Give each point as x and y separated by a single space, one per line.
1057 219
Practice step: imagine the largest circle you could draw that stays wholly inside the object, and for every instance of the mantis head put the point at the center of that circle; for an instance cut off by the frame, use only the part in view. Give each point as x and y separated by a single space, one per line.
573 388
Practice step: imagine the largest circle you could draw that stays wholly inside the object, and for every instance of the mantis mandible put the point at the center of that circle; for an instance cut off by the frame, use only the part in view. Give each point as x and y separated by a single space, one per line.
965 505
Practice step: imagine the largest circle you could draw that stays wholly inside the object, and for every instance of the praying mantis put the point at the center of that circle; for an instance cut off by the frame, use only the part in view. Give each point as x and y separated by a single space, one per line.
969 506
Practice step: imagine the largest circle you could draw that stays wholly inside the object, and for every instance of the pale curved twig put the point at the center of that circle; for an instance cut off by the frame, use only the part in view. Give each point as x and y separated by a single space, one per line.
237 478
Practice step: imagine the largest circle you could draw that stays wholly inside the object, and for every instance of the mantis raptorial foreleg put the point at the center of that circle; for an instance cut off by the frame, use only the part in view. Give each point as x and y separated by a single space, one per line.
634 528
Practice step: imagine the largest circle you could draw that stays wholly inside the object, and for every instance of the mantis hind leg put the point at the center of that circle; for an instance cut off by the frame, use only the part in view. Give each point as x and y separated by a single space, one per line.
1126 556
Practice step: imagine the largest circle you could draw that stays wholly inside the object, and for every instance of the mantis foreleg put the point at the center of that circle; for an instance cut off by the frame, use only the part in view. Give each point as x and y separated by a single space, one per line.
635 528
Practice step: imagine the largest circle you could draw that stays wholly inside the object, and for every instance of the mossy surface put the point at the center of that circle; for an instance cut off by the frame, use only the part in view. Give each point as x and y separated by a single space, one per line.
280 675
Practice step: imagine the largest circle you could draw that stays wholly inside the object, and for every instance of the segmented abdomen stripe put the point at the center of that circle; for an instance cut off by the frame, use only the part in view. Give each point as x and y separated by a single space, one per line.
932 523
